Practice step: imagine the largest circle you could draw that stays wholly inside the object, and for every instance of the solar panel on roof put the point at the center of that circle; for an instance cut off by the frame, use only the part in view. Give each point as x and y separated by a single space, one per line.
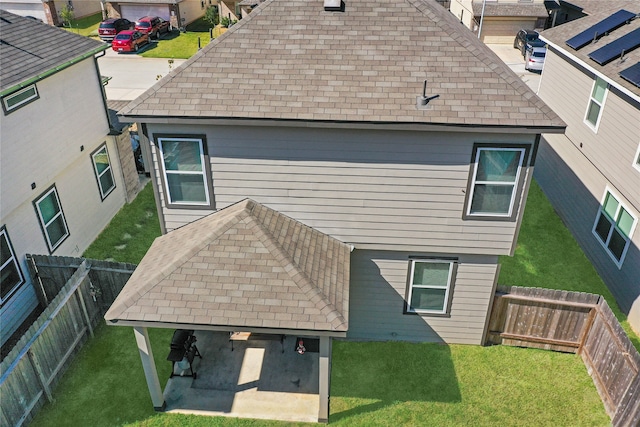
632 74
614 49
598 30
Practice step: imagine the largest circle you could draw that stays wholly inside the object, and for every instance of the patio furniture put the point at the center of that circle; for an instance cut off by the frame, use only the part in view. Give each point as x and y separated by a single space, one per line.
183 351
250 336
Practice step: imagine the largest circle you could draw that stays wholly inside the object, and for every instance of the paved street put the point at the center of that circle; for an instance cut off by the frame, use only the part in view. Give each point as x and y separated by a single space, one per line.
131 74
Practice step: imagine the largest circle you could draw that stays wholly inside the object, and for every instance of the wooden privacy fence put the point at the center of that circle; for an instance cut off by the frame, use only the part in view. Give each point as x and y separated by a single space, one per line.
578 323
35 365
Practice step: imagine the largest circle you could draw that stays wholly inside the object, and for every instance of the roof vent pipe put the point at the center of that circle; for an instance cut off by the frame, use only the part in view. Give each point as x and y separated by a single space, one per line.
423 101
334 5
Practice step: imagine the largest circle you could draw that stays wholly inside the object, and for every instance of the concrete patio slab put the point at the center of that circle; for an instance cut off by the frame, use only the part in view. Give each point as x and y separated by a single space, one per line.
255 380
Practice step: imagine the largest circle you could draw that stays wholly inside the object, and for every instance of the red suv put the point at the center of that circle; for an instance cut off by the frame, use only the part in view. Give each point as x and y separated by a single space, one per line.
112 26
152 25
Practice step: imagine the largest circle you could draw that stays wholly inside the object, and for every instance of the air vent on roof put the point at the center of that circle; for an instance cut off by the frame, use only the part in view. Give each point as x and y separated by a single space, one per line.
334 5
616 48
601 28
422 102
632 74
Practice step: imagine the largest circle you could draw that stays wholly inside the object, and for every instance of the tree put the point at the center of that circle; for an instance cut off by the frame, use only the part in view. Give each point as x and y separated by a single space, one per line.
67 15
211 15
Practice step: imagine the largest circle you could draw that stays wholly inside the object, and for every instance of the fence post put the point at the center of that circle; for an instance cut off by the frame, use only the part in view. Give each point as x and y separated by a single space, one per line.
84 308
587 328
35 278
43 381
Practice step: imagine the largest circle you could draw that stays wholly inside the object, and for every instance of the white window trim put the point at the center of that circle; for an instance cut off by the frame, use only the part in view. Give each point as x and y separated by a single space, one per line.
474 181
5 98
202 172
605 245
591 99
44 225
447 289
7 297
636 159
99 175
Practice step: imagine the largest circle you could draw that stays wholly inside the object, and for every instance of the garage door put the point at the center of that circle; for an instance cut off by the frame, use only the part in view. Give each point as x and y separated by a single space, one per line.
25 9
133 12
503 31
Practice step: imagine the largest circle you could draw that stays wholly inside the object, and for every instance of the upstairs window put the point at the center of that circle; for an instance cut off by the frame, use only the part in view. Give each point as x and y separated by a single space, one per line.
19 98
430 286
52 221
184 171
614 226
102 169
494 182
9 268
596 103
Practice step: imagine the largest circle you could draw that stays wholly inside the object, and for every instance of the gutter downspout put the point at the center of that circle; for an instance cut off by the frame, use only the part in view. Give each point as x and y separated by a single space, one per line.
484 3
52 71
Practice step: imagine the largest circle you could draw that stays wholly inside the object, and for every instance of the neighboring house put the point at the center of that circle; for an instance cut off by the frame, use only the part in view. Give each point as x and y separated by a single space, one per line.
501 19
48 10
321 122
566 11
178 12
61 172
592 174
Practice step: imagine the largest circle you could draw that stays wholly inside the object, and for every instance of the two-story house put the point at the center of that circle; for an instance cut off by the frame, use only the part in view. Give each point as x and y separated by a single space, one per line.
498 21
61 172
592 173
376 124
48 10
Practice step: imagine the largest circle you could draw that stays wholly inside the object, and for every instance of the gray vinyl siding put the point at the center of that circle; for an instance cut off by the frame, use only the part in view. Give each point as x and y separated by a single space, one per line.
567 89
377 295
577 199
375 190
17 309
575 170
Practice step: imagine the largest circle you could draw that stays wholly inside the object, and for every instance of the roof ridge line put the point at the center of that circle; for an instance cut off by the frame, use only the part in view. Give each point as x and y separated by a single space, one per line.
329 310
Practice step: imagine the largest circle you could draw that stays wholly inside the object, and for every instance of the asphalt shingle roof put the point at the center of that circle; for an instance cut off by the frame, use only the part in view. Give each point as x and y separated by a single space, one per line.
560 34
591 7
29 48
245 266
291 60
510 9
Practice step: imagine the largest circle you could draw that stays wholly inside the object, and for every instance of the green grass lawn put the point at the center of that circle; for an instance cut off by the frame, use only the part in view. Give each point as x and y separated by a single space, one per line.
183 45
87 26
373 384
547 256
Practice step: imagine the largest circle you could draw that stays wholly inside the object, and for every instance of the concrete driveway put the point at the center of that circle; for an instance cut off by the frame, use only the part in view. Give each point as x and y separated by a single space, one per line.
515 61
131 75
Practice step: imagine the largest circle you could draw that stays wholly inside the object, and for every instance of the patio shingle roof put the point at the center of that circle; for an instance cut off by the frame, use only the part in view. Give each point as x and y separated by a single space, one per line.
290 60
246 266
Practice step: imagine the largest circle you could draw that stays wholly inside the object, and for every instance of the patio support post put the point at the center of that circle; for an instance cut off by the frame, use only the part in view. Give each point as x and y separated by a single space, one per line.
325 376
149 366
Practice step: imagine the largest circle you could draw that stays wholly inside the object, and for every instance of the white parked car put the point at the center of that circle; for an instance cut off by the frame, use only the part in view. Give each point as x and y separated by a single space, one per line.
534 58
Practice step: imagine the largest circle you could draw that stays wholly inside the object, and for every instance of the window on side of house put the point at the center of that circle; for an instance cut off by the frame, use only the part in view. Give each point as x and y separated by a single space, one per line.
9 268
184 171
614 227
494 182
103 171
430 286
596 103
19 98
52 220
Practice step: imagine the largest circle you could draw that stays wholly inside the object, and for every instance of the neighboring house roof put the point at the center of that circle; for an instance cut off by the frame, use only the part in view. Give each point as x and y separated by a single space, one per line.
167 2
245 266
511 9
30 50
293 61
591 7
114 107
558 36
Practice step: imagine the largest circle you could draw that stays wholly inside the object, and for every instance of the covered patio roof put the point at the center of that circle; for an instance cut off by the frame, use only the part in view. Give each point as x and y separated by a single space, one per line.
244 268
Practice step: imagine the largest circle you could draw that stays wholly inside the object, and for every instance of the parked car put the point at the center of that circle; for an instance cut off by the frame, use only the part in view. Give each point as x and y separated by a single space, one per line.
534 58
526 38
129 41
112 26
152 25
